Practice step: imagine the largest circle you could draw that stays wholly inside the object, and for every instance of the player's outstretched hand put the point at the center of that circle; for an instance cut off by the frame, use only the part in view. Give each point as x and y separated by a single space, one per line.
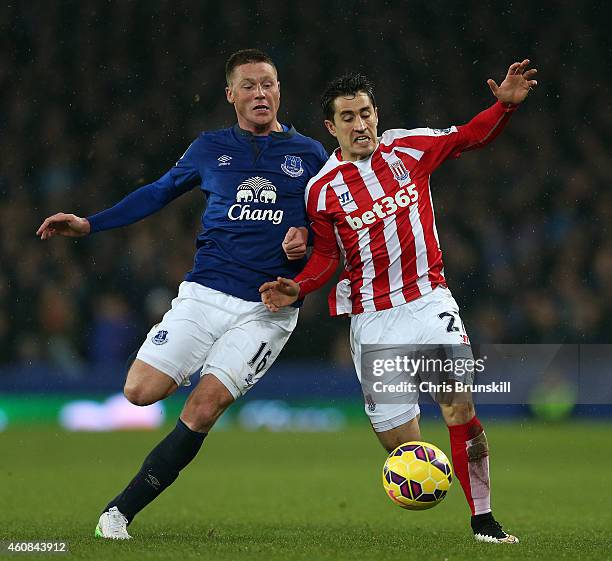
516 85
294 244
62 224
279 293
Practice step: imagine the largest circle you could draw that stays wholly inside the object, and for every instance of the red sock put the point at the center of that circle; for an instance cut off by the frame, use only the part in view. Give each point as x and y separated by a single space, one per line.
471 463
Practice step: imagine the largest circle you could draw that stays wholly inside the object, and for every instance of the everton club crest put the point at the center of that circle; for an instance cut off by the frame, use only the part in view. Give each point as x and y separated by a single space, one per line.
160 338
292 166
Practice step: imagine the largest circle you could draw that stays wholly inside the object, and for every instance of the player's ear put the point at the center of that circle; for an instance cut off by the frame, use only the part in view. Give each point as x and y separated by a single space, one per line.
229 94
329 125
376 114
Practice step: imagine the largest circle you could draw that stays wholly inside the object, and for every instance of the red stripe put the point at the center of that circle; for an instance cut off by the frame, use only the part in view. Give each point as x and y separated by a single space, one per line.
350 243
459 436
434 253
315 190
426 214
331 301
404 228
418 142
378 245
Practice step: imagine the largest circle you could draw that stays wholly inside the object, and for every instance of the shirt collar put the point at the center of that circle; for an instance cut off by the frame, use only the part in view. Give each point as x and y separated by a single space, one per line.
275 134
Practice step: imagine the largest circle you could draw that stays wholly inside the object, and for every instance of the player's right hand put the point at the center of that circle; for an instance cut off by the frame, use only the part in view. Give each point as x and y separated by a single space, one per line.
62 224
294 244
279 293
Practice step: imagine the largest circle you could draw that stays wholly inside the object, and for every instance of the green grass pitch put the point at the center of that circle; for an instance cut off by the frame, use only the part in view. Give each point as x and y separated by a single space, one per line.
285 496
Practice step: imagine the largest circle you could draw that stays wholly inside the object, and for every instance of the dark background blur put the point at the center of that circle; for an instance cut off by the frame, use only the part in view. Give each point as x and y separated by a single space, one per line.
98 98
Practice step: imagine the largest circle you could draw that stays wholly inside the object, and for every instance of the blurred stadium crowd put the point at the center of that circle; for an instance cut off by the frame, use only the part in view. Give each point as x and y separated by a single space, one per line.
98 98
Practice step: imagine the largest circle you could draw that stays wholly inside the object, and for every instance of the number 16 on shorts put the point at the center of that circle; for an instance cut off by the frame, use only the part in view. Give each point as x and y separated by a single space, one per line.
258 361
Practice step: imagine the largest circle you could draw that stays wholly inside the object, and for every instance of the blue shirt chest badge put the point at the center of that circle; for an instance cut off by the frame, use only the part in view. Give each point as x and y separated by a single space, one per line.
292 166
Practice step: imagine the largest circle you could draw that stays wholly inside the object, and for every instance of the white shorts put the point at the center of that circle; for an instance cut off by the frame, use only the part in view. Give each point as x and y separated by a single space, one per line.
233 339
415 323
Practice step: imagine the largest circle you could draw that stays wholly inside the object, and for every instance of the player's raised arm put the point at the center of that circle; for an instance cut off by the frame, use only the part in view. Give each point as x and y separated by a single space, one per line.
439 145
485 127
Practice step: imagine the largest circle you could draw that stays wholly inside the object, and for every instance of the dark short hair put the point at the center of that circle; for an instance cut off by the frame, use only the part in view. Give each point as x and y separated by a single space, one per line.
348 85
246 56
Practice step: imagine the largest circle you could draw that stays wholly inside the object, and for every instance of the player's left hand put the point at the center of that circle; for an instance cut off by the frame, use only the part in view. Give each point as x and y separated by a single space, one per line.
279 293
62 224
294 244
516 85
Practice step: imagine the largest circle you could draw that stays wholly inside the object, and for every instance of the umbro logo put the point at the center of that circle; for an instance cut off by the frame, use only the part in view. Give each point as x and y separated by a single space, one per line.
224 160
152 481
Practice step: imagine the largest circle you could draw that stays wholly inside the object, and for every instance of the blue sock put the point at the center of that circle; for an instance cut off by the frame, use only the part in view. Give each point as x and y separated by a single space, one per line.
159 470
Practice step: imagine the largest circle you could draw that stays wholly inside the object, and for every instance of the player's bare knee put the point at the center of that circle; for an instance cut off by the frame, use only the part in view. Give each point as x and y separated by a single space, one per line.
138 395
145 384
407 432
390 444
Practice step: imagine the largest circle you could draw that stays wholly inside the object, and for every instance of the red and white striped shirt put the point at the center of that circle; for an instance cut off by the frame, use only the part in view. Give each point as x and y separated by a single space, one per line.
378 215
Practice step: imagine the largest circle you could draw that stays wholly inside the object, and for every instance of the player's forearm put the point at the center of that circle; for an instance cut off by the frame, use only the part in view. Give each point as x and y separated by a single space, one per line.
485 126
317 272
137 205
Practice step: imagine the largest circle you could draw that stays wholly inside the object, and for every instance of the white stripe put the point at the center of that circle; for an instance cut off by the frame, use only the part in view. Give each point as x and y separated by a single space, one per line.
344 305
420 249
393 134
327 166
392 243
371 182
321 201
343 297
337 188
367 288
365 252
413 152
394 249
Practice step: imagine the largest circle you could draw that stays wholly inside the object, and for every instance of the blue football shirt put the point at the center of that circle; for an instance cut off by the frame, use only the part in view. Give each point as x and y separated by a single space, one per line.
254 188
